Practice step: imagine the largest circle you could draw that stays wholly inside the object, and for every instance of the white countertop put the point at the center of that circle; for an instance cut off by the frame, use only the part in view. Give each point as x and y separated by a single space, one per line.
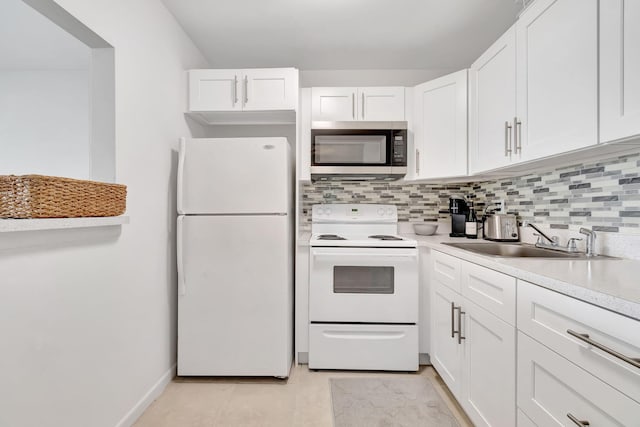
613 284
609 283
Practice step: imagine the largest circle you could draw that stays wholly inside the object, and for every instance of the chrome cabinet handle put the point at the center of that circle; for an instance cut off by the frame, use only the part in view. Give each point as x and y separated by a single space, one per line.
460 314
507 139
417 161
578 422
246 90
362 105
453 328
353 105
235 90
517 131
633 361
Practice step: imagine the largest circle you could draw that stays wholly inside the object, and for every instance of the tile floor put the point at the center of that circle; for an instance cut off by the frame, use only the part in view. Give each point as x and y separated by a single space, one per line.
302 400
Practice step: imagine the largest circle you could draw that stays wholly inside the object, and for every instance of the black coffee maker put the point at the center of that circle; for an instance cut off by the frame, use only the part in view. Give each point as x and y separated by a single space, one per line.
459 211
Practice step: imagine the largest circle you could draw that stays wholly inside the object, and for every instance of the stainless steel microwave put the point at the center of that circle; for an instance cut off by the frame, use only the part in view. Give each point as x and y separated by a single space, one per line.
358 150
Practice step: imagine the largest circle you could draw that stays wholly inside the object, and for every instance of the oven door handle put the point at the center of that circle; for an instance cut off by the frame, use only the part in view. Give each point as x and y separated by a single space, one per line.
365 258
365 335
368 255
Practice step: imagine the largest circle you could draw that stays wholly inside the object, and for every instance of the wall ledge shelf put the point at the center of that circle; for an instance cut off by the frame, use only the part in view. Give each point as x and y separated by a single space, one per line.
14 225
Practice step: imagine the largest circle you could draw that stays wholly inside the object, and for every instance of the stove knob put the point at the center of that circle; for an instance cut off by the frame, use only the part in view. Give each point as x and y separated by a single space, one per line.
327 211
380 211
389 211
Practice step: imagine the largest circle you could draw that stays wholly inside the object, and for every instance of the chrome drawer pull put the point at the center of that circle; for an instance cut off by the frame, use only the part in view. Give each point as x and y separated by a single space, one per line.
507 139
585 338
453 329
460 337
578 422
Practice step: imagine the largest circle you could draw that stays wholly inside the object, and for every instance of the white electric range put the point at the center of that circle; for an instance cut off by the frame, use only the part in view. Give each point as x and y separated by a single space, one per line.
363 290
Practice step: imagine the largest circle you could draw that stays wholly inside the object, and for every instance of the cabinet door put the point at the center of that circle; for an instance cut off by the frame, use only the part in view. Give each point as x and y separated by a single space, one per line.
489 368
214 90
550 388
381 103
269 89
440 126
557 77
446 352
333 104
492 105
619 69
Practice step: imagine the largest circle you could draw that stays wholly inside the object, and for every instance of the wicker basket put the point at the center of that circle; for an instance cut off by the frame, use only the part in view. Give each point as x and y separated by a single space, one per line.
38 196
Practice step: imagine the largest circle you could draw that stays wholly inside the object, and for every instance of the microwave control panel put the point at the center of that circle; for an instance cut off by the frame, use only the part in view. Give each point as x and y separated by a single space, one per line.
399 148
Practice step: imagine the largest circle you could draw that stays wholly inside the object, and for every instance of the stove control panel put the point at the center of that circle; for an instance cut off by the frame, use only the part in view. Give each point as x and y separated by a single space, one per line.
351 212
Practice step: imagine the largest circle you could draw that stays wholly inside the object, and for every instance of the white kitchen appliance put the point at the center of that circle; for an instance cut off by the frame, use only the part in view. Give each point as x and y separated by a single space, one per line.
235 252
363 290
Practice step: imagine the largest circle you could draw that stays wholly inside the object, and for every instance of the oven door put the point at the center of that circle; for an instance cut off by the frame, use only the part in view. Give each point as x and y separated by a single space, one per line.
365 285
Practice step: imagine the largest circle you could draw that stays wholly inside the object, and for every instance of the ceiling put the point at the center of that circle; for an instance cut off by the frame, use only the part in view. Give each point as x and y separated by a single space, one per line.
343 34
30 41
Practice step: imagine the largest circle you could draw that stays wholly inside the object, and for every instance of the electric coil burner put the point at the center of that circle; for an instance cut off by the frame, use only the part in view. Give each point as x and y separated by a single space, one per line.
363 290
330 237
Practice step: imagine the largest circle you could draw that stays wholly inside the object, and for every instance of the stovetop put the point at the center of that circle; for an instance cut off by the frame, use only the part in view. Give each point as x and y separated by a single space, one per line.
359 240
357 225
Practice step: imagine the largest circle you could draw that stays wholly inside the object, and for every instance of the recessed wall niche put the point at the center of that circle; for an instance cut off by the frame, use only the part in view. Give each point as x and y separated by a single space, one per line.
57 94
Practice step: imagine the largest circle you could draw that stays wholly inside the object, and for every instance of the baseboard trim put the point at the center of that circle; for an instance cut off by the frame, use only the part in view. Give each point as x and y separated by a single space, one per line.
156 390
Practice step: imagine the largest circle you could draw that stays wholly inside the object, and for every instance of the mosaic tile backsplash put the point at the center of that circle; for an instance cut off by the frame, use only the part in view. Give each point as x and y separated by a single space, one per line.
603 195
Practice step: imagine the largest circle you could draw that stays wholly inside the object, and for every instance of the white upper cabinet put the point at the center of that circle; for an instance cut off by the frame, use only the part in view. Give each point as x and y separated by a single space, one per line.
492 105
270 89
619 69
381 104
440 127
214 90
260 89
350 103
334 104
556 77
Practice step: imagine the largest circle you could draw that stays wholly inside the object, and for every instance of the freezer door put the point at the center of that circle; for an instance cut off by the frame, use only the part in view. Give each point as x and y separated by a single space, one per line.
234 175
235 296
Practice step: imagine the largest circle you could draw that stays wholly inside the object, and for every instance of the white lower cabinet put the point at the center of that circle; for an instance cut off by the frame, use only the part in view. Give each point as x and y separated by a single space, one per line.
489 364
555 361
472 349
446 352
554 392
564 324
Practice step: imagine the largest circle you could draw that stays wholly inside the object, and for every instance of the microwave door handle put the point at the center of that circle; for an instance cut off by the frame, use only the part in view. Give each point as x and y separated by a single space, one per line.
353 105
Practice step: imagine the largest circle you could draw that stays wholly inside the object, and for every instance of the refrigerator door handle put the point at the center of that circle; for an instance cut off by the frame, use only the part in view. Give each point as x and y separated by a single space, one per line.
181 158
182 287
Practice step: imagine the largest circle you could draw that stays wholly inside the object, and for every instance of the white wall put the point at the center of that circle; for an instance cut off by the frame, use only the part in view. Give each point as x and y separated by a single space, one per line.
87 318
44 122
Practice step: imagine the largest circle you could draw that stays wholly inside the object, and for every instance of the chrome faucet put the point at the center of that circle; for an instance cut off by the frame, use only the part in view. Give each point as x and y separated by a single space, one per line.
591 240
553 241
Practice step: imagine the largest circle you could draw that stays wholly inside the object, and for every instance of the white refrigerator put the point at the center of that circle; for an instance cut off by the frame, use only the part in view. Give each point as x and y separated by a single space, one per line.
235 257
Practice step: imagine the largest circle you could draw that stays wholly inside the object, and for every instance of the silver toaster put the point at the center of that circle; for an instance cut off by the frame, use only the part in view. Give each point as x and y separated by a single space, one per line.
501 228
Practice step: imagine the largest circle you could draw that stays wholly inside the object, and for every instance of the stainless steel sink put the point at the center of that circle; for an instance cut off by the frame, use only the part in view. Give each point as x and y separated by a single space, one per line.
519 250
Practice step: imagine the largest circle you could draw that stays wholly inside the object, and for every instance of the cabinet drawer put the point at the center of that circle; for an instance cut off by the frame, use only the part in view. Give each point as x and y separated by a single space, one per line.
369 347
547 316
446 270
550 388
490 289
